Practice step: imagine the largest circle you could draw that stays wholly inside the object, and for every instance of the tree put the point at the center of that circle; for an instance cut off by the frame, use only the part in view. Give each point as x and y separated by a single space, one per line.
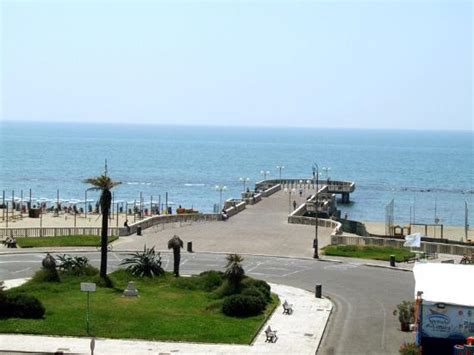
176 244
234 271
104 184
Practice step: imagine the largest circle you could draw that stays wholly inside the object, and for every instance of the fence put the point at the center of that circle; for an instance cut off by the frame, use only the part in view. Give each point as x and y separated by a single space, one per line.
428 247
54 232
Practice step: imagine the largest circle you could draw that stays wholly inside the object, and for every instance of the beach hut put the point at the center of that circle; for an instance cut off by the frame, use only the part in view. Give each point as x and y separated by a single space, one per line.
445 306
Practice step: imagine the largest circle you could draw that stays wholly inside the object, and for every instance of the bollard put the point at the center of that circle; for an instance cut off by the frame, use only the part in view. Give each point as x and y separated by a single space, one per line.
190 247
392 260
139 230
319 290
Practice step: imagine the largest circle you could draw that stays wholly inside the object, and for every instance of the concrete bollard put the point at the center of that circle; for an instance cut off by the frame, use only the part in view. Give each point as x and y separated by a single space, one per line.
392 260
139 230
190 247
319 290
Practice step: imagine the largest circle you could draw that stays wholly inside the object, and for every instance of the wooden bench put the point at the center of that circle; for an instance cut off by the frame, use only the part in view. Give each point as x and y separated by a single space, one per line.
287 308
271 335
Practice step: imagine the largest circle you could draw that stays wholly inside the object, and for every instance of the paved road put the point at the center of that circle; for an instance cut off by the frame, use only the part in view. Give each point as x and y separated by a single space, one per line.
364 296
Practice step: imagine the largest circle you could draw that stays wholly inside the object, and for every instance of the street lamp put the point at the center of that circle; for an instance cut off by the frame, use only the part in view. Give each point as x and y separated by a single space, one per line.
289 192
327 172
220 189
244 181
264 173
315 241
280 167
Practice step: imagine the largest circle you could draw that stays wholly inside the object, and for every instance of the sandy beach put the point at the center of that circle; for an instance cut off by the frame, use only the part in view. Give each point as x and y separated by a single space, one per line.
449 232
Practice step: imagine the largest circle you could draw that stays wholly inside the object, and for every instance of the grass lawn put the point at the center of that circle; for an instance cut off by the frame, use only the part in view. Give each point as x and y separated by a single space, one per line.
161 312
61 241
367 252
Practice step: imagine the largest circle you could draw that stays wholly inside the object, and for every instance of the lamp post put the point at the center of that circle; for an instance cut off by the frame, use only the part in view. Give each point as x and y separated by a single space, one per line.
326 170
289 192
280 168
315 241
244 181
264 173
220 188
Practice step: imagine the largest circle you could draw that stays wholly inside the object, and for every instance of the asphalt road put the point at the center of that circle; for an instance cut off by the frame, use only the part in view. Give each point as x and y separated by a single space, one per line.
364 297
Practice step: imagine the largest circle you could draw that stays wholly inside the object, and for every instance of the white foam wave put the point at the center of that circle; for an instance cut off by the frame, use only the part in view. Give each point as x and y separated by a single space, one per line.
190 185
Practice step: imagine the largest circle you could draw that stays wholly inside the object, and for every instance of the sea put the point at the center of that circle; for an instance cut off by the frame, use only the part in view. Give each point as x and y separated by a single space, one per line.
428 174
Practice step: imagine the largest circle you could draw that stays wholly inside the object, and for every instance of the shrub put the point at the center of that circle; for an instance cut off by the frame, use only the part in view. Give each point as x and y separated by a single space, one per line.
75 265
146 263
410 349
260 285
254 292
227 289
211 280
20 306
46 275
405 311
242 306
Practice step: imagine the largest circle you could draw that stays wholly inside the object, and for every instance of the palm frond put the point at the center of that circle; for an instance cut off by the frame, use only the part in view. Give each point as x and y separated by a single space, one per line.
101 182
175 242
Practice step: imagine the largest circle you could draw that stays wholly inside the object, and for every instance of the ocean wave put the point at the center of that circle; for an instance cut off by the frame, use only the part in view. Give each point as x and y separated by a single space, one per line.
190 184
137 183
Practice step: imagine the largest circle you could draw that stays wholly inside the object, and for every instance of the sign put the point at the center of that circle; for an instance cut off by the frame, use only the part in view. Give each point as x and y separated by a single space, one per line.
446 321
88 286
413 240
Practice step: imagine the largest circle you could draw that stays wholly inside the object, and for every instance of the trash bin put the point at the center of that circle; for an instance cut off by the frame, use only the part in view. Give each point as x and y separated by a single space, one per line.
139 230
190 247
392 260
318 290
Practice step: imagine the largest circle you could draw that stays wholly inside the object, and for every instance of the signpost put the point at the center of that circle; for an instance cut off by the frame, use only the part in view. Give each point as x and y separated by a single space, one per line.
88 287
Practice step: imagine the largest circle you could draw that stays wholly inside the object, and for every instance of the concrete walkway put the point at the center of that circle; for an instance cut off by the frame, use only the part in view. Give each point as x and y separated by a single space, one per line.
299 333
260 229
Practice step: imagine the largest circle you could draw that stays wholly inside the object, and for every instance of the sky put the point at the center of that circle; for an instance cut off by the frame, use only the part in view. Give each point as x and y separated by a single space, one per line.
340 64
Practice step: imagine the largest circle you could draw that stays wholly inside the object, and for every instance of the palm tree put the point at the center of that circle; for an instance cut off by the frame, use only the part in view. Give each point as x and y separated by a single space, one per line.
105 184
176 244
234 271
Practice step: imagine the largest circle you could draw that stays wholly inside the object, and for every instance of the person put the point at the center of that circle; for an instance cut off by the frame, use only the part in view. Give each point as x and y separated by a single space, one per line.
224 214
301 192
294 204
125 224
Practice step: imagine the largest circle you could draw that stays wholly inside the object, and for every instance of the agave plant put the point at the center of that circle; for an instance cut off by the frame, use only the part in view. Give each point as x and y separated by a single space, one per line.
76 264
146 263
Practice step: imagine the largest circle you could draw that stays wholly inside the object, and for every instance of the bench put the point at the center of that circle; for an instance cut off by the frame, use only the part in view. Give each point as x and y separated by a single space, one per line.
287 308
466 259
9 242
271 335
410 259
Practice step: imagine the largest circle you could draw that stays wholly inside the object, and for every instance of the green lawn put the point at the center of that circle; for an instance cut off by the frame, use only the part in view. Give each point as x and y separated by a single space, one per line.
367 252
61 241
161 312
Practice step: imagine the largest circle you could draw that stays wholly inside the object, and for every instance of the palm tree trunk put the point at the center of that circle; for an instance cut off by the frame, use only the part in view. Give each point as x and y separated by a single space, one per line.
105 206
177 259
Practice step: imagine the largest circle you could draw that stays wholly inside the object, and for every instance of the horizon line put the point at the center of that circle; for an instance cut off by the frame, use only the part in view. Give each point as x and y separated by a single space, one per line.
216 125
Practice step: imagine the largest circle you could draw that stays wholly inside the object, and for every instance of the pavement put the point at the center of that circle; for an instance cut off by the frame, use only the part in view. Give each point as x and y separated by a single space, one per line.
301 333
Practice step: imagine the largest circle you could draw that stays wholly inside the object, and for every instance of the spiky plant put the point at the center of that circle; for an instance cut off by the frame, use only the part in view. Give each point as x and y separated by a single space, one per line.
146 263
176 244
104 184
234 271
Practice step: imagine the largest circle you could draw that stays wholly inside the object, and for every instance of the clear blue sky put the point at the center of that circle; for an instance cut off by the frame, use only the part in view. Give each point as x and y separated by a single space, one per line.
371 64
